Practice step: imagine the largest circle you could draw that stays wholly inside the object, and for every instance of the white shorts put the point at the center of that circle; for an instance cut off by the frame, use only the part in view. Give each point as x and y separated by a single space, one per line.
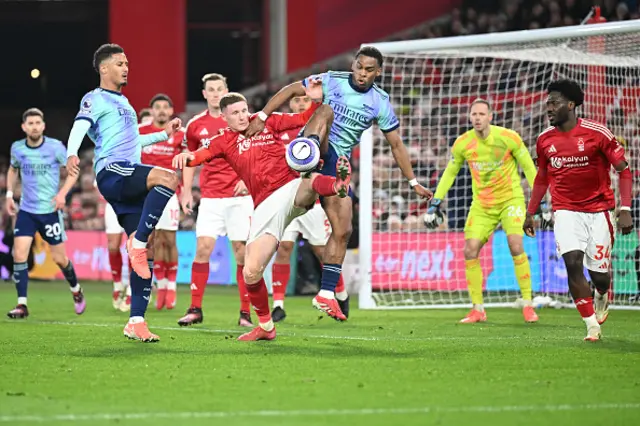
313 225
170 218
275 213
591 233
111 224
225 216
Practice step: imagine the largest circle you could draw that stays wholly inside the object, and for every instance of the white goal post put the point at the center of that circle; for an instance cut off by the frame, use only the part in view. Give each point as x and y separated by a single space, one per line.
431 83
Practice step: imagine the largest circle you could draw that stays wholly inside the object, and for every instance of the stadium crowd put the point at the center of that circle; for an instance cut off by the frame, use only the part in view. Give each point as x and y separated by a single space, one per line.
428 138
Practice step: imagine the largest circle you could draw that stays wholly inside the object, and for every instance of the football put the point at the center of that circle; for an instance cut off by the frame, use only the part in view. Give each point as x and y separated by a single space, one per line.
303 154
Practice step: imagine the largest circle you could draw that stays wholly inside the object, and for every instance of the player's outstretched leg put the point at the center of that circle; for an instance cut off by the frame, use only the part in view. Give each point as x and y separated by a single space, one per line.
523 273
59 255
602 283
162 184
257 256
581 293
318 126
340 217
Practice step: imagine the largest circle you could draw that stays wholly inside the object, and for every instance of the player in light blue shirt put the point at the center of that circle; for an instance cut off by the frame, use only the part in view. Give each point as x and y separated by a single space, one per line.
357 103
37 159
138 193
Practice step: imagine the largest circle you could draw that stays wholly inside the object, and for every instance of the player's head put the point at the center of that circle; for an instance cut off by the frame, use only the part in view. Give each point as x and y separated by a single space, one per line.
33 123
161 109
112 65
145 116
564 96
299 104
214 87
367 66
235 110
480 114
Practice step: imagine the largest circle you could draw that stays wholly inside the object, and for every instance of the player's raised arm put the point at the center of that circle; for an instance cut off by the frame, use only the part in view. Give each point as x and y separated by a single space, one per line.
614 152
152 138
538 191
282 122
312 86
520 152
202 155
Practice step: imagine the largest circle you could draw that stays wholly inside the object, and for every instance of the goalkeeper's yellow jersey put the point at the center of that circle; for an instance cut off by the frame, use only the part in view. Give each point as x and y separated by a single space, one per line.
493 163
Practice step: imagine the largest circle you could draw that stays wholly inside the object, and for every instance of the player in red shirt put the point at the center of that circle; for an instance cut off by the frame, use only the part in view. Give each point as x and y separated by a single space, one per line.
279 194
314 227
574 159
165 250
225 207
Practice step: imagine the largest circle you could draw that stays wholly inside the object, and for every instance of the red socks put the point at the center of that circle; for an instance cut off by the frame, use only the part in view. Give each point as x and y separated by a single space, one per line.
115 261
585 307
245 302
171 271
324 185
260 300
159 270
281 273
199 278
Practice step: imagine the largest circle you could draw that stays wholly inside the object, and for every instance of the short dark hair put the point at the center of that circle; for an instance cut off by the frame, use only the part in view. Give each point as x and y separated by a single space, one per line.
371 52
145 112
483 102
214 76
32 112
569 89
230 99
104 52
161 97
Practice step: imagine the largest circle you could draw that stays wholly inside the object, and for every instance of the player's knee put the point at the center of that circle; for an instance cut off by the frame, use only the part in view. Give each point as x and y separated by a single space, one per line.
471 252
172 180
516 248
574 264
343 232
59 258
166 178
252 273
203 250
283 256
326 112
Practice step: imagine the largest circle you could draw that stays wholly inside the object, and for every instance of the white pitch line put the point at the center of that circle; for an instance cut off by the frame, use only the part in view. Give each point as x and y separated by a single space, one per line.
498 409
550 337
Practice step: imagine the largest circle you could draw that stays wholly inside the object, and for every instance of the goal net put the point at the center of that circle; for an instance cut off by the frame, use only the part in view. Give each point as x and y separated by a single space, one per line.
432 84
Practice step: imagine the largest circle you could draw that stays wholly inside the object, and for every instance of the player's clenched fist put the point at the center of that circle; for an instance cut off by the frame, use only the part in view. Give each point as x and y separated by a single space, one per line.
173 126
529 226
181 160
73 165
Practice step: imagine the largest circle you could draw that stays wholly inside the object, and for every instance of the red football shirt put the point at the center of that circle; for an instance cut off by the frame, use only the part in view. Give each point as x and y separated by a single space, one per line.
160 154
577 164
260 160
217 178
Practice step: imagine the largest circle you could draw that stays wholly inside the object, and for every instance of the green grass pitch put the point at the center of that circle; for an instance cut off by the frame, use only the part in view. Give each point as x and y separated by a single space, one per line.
413 367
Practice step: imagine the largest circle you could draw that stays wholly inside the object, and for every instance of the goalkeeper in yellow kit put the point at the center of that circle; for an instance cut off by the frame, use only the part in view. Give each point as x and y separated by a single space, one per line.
493 154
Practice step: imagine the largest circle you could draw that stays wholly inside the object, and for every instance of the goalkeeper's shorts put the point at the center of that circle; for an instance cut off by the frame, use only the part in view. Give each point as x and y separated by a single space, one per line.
481 222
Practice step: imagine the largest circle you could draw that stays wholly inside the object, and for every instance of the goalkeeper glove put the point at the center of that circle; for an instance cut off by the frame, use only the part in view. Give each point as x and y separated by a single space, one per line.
434 217
546 216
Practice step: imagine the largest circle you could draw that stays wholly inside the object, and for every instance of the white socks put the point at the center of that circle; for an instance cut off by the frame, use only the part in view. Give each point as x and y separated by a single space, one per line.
137 244
326 294
22 301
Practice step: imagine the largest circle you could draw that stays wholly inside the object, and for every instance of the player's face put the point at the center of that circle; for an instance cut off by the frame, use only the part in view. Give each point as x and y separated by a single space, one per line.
299 104
213 91
237 116
116 69
365 70
33 127
161 112
480 116
558 109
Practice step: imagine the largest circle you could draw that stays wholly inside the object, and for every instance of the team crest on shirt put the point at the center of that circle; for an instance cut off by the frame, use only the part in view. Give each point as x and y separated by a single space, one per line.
580 145
205 142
